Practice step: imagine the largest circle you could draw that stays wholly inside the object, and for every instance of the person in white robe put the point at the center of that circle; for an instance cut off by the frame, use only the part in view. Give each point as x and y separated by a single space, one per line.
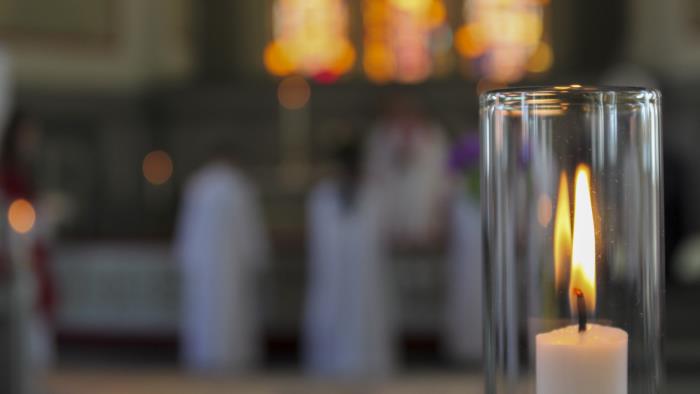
222 249
406 156
464 273
349 328
463 328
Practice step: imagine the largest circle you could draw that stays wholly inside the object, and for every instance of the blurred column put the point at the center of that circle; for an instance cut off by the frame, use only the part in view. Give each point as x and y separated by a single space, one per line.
294 94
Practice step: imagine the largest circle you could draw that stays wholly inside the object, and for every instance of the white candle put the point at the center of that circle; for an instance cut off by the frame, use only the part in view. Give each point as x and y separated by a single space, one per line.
589 362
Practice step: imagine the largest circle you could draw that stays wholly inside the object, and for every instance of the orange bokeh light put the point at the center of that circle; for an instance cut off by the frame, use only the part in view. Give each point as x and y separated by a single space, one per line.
21 216
400 39
378 63
276 61
344 62
310 39
542 59
157 167
507 36
469 40
437 14
412 6
293 92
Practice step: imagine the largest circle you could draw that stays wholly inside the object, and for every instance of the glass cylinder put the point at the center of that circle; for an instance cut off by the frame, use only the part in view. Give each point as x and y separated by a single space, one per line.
572 223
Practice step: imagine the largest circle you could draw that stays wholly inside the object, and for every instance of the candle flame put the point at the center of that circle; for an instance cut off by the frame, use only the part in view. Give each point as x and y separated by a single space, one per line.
583 249
562 232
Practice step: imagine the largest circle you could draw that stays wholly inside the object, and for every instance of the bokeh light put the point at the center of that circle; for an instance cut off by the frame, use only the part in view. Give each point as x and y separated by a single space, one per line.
437 14
414 6
345 60
157 167
542 59
505 39
378 63
311 39
293 92
276 60
21 216
404 40
469 41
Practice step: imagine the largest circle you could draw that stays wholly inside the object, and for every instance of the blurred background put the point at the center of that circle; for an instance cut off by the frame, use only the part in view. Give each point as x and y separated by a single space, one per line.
282 195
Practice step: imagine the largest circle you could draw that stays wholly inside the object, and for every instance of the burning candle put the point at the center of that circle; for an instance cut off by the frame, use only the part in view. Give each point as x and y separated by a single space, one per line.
584 358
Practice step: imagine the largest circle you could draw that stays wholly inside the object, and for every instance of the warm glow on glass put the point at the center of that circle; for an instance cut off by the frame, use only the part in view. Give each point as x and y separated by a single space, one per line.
310 38
544 210
583 249
21 216
562 233
157 167
293 92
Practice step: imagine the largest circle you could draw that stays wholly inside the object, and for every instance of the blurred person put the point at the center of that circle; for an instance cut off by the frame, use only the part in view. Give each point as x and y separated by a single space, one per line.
222 248
33 292
463 328
349 326
407 152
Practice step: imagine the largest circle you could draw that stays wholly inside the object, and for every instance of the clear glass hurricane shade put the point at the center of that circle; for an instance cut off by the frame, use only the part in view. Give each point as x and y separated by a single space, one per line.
572 200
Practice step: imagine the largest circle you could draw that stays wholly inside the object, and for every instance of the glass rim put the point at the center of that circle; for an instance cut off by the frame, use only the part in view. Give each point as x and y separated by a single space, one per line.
549 95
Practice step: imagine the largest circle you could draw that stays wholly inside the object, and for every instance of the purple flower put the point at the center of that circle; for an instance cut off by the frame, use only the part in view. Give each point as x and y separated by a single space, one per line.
465 152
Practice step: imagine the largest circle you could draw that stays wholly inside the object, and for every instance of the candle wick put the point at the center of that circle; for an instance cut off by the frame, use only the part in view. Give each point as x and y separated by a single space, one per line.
581 306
